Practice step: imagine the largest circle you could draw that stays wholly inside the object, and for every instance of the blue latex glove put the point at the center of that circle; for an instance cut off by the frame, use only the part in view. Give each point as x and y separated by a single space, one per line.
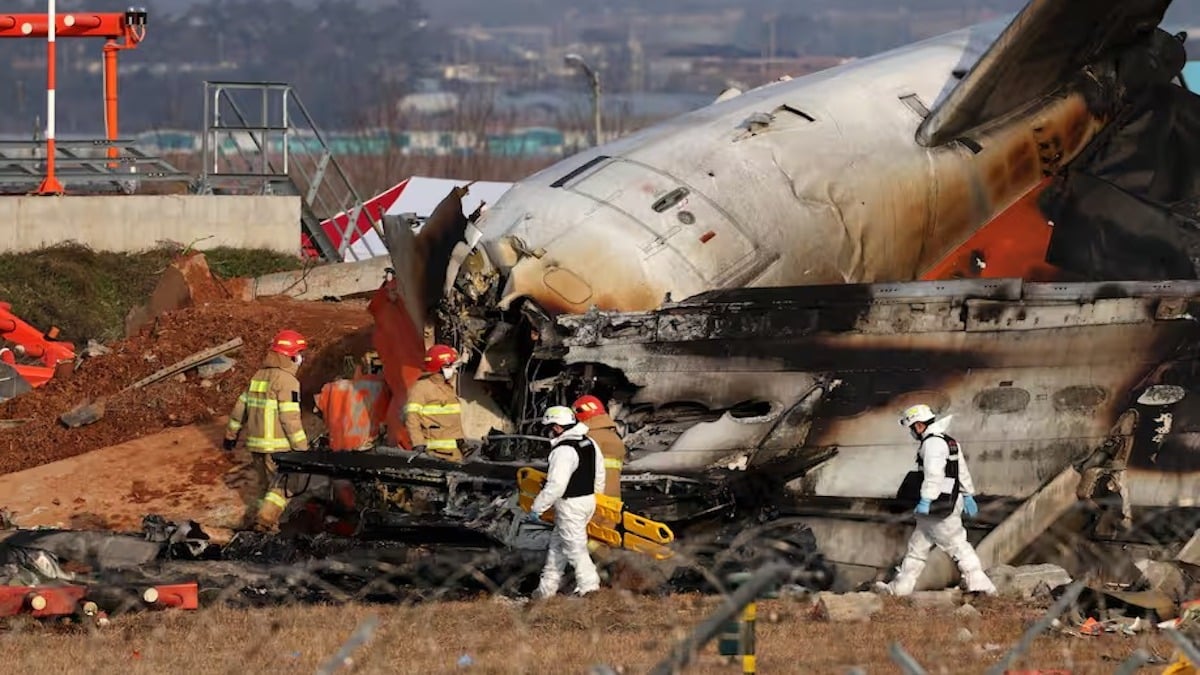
533 518
922 507
969 506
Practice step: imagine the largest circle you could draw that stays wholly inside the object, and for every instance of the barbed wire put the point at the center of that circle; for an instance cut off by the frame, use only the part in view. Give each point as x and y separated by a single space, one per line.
329 603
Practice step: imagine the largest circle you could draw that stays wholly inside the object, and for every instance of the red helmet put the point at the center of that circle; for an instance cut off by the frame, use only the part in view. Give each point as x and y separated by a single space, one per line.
438 357
289 343
587 407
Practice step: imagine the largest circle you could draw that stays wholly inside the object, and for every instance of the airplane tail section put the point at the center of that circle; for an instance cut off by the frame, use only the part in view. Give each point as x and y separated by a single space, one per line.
1048 43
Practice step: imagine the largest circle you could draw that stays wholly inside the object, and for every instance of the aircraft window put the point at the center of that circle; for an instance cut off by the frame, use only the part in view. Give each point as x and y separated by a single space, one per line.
670 199
1002 400
959 73
587 165
915 104
1080 398
747 409
795 111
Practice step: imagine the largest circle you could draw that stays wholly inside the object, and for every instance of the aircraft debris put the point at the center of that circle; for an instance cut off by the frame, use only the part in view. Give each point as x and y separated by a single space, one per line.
1164 577
215 367
781 371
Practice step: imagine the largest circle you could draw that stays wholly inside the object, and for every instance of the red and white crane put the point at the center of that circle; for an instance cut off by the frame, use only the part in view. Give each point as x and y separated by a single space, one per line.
120 30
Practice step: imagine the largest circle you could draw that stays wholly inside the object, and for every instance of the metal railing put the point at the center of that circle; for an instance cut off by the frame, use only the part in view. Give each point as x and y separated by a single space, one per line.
83 164
261 152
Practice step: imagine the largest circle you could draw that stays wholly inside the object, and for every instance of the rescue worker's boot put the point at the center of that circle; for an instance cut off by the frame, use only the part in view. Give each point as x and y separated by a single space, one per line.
978 583
269 512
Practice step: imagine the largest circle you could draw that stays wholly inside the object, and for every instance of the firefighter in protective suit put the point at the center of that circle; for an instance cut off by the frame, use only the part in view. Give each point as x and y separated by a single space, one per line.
944 478
603 430
433 414
574 478
269 412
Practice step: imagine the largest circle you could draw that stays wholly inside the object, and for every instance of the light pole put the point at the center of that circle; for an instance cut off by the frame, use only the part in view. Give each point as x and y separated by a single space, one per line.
593 81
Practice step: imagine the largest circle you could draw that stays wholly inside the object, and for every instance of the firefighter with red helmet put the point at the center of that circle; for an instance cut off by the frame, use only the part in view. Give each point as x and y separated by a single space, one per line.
269 412
603 430
433 414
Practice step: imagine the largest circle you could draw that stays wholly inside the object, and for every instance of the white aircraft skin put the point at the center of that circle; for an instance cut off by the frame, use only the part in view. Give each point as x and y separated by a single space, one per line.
838 191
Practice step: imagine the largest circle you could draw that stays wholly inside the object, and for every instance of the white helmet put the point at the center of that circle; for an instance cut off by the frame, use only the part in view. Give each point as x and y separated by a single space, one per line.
917 413
560 415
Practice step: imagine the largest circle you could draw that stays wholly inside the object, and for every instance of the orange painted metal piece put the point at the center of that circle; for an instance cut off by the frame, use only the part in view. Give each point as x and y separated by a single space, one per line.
67 599
1011 245
32 343
175 596
401 348
41 601
114 27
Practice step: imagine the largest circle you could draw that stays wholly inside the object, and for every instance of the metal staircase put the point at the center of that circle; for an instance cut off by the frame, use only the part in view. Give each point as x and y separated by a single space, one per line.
279 150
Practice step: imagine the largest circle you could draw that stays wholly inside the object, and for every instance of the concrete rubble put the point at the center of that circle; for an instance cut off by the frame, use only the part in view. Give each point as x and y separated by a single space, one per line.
928 600
1028 581
967 613
846 607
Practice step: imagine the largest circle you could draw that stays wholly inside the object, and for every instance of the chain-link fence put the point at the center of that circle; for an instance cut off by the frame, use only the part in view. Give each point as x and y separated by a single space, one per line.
433 594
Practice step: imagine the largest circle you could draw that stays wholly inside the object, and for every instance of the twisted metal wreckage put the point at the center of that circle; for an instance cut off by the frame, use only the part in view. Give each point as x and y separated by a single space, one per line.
1000 222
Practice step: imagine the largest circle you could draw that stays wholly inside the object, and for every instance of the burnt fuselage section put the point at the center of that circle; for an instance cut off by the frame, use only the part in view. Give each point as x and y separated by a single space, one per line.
788 397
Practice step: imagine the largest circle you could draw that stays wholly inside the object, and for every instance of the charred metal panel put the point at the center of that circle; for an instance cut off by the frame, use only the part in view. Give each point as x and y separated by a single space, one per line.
1010 454
781 313
1034 382
1127 208
11 383
987 315
1090 291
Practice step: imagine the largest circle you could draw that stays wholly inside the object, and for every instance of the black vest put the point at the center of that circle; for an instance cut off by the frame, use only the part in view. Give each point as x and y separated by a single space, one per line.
910 488
583 481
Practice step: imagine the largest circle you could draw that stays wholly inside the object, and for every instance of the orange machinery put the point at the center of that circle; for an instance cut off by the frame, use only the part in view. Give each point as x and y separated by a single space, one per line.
33 344
73 599
120 30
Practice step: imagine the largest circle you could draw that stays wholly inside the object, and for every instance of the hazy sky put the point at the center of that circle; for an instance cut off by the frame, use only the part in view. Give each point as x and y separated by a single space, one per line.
1182 11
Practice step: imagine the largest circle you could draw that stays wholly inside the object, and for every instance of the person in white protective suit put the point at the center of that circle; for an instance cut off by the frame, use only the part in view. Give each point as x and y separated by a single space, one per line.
575 477
945 491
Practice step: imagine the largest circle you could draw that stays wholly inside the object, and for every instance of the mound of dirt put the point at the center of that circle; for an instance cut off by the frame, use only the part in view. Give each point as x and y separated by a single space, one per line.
335 331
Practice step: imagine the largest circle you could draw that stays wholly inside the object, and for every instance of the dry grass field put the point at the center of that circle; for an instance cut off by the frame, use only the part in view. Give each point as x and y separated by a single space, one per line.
630 633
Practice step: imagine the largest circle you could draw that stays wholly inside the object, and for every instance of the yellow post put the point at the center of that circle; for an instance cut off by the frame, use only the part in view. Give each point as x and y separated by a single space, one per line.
749 663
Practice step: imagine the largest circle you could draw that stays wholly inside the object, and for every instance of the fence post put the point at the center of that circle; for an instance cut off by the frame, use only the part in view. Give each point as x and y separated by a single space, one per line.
737 637
760 585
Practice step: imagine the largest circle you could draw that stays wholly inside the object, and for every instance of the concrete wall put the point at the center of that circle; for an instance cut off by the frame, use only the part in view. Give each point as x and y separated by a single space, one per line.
138 222
336 279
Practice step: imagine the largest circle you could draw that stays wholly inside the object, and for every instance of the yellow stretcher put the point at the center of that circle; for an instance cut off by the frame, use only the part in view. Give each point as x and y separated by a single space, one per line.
611 525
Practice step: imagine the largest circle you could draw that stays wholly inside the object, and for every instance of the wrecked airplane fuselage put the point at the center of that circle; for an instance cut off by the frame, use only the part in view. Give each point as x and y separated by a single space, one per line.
789 396
769 392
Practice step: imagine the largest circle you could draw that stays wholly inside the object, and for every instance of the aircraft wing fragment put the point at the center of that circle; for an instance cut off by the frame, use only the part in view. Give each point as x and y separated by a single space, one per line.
1047 43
